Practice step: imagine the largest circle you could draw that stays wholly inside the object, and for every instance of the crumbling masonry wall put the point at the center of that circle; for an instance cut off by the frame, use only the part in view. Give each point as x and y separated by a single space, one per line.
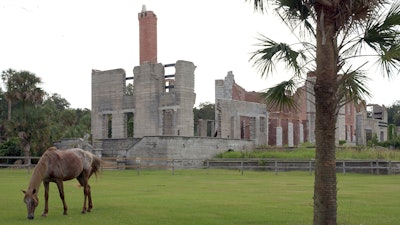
109 104
237 115
158 108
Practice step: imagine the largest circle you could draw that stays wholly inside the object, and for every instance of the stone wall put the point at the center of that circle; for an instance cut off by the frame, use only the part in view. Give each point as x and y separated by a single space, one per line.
196 149
232 118
108 88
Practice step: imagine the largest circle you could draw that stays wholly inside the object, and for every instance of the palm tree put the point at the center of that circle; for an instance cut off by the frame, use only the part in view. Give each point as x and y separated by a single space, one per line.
22 87
6 76
340 31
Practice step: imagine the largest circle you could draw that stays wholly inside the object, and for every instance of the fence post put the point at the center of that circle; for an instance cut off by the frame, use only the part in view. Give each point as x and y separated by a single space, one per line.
138 167
344 167
390 167
276 167
372 167
310 167
173 167
377 166
241 167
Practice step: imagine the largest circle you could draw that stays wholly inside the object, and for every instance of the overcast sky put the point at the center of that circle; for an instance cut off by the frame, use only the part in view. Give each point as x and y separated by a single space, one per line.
62 41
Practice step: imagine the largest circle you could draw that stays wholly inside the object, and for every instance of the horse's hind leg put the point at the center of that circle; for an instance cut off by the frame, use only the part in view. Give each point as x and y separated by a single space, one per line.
61 191
83 180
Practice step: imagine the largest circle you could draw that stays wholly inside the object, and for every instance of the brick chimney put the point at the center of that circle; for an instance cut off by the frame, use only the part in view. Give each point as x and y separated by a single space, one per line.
147 36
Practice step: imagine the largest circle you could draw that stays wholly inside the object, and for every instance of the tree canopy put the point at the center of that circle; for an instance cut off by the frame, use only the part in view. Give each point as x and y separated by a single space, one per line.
37 119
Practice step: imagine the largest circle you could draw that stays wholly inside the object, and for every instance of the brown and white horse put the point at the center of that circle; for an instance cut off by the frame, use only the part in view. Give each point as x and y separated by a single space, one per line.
58 166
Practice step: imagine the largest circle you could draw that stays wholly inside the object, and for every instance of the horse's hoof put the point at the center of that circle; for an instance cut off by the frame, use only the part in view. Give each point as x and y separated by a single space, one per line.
44 214
83 212
65 213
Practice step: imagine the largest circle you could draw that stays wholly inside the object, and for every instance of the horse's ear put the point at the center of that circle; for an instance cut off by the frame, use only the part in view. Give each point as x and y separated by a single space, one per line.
34 191
23 191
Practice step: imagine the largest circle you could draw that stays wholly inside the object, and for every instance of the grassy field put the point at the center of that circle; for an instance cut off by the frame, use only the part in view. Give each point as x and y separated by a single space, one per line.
204 197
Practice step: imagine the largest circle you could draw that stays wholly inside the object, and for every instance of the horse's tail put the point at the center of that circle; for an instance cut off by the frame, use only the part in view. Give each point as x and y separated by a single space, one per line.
96 165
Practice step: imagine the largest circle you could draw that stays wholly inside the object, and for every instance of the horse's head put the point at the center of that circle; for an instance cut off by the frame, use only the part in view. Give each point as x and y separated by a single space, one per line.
31 200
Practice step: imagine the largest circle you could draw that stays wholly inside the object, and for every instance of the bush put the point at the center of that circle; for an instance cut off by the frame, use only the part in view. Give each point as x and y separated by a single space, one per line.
10 147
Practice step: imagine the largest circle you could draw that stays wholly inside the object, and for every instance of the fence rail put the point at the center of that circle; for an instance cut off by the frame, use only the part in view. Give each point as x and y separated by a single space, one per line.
281 165
275 165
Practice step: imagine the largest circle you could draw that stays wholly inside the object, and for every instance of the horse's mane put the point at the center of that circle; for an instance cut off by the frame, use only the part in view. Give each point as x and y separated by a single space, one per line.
39 170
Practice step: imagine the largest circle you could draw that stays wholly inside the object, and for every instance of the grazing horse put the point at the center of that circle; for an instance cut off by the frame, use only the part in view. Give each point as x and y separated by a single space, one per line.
58 166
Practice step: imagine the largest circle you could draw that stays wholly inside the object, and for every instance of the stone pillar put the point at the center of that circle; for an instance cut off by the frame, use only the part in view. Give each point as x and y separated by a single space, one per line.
290 134
149 84
301 133
279 137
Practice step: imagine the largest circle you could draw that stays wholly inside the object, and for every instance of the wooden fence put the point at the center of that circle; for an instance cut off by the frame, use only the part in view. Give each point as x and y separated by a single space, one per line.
282 165
261 164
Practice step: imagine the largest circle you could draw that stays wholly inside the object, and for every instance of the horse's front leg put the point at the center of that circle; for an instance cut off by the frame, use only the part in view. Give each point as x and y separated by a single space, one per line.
61 191
46 198
89 194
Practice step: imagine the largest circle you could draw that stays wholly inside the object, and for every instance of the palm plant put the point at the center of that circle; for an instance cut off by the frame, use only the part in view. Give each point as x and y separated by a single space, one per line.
341 36
22 88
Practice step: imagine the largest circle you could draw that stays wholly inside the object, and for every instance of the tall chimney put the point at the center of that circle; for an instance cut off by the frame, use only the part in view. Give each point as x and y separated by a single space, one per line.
147 36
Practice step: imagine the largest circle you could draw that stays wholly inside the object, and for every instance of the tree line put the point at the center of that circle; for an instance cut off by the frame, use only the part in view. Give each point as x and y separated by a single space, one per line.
31 119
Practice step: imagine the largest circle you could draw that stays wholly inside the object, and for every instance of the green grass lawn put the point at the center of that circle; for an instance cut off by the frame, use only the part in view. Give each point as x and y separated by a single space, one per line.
204 197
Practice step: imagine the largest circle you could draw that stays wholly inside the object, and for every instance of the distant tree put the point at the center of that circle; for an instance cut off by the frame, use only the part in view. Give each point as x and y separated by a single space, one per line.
129 89
394 115
3 115
206 111
22 89
10 147
66 122
3 106
59 102
38 119
11 94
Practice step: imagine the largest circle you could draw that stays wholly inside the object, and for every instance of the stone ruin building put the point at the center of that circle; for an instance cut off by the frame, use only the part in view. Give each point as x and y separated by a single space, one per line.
156 121
356 124
239 114
161 104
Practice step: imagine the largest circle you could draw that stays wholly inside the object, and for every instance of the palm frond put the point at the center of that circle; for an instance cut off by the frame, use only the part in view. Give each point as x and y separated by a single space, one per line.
389 60
296 14
382 33
272 52
353 87
281 96
258 5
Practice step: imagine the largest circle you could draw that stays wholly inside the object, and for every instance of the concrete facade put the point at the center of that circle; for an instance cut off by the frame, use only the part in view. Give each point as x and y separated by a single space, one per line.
371 121
355 124
156 149
157 108
157 120
237 114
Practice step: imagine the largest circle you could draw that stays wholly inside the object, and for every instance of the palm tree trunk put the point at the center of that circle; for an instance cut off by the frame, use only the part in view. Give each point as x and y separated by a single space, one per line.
9 110
325 205
26 147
